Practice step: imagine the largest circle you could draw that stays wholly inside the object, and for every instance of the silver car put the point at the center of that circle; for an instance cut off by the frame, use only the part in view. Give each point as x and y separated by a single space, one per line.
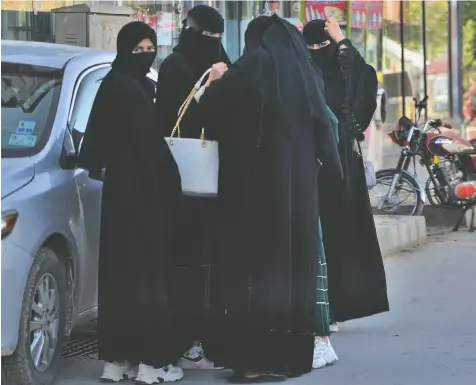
50 208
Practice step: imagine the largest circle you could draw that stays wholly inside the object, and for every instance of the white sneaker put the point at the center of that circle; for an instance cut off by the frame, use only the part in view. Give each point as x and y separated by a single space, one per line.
149 375
334 328
194 358
324 354
118 371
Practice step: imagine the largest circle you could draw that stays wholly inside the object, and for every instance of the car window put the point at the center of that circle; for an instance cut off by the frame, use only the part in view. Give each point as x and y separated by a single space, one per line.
29 100
85 95
84 100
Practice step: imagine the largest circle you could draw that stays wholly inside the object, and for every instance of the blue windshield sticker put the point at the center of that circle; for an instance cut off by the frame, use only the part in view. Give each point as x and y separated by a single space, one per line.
22 140
26 127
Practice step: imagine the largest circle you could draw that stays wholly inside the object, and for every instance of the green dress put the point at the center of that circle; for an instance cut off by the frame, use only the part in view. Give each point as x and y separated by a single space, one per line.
323 316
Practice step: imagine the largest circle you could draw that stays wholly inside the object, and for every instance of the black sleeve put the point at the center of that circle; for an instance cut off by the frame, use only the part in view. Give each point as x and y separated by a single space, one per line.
363 85
174 84
92 156
221 100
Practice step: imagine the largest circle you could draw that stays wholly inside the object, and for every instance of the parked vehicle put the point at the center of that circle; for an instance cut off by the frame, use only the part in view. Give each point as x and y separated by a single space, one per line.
50 208
449 159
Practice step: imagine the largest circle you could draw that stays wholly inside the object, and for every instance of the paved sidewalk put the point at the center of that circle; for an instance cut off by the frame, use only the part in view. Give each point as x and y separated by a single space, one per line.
428 337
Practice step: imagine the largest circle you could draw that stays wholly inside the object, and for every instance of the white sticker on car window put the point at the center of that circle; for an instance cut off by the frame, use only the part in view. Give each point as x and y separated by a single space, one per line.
26 127
22 140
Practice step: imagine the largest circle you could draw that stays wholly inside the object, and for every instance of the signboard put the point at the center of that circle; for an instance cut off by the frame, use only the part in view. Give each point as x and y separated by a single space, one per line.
165 28
374 14
325 10
366 14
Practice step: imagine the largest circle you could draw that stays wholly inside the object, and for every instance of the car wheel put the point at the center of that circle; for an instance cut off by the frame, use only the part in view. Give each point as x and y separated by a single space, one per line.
40 341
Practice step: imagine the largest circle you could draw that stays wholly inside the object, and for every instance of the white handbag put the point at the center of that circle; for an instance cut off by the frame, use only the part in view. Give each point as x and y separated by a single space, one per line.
197 159
370 176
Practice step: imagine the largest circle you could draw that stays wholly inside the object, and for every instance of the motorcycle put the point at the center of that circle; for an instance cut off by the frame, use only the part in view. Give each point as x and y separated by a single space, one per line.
449 159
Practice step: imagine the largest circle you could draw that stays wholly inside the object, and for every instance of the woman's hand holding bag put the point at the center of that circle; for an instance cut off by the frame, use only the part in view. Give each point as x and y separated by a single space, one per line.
197 159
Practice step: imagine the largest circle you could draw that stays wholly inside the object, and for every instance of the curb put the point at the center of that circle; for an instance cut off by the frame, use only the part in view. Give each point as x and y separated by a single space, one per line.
397 233
446 217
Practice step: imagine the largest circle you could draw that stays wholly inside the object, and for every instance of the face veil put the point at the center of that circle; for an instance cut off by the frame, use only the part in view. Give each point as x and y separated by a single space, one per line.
134 64
200 40
324 57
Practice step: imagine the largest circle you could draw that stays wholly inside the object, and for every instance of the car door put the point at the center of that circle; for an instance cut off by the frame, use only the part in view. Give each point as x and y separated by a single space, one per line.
89 189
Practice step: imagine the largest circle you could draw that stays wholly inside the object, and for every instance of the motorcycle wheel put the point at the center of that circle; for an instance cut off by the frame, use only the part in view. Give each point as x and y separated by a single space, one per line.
411 204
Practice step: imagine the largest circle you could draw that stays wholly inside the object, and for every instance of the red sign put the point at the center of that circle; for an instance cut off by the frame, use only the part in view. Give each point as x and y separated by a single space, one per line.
325 10
144 16
374 14
366 14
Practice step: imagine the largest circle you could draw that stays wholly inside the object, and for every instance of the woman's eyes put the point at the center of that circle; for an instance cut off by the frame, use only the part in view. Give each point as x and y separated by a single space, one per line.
140 49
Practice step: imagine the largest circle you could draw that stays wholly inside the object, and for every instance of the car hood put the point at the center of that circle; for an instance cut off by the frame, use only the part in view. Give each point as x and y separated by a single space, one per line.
16 173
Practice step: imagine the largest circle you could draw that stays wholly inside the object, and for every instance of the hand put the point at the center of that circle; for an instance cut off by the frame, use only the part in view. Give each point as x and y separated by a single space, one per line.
334 31
218 69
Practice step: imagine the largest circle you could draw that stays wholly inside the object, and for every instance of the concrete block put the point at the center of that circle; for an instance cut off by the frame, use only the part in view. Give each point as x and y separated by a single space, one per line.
397 233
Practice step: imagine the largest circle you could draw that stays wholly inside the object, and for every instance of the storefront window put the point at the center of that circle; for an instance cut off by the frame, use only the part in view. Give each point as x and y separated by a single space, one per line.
391 61
468 16
413 53
166 18
437 59
358 24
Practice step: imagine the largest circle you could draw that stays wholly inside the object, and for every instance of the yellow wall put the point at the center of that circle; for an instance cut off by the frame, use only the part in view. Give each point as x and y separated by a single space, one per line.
41 6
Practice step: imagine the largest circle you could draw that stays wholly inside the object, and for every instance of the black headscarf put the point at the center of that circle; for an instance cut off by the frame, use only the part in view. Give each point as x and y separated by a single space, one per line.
279 65
325 57
200 50
134 64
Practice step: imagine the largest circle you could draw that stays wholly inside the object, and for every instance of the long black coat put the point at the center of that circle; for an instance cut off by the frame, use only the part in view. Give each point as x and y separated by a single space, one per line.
268 209
268 114
357 283
192 245
141 182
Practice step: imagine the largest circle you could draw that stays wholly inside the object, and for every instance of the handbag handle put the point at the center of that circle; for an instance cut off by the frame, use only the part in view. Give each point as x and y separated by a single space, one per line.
184 107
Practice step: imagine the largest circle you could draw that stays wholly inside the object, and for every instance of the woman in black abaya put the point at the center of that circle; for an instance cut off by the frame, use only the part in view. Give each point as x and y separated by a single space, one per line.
269 116
141 179
192 247
357 283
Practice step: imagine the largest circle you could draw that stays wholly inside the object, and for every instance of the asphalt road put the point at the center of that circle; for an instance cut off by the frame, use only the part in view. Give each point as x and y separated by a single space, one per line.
428 337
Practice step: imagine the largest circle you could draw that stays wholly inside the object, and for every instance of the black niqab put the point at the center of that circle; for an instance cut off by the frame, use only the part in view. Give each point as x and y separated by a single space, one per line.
134 64
201 50
326 59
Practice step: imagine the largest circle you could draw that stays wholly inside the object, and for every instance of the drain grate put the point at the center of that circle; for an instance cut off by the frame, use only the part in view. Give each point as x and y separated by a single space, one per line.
82 343
81 347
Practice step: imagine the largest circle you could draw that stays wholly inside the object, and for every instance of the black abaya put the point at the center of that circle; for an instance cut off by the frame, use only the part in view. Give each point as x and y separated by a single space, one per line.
270 120
192 246
357 283
141 181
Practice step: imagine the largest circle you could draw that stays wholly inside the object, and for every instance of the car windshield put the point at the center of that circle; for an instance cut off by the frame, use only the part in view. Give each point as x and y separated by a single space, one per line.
29 99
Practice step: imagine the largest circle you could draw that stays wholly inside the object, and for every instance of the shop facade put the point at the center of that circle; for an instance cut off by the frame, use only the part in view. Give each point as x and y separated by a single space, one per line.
418 47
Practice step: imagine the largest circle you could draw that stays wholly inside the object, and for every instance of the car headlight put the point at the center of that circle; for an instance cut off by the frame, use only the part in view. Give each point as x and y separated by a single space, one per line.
9 219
